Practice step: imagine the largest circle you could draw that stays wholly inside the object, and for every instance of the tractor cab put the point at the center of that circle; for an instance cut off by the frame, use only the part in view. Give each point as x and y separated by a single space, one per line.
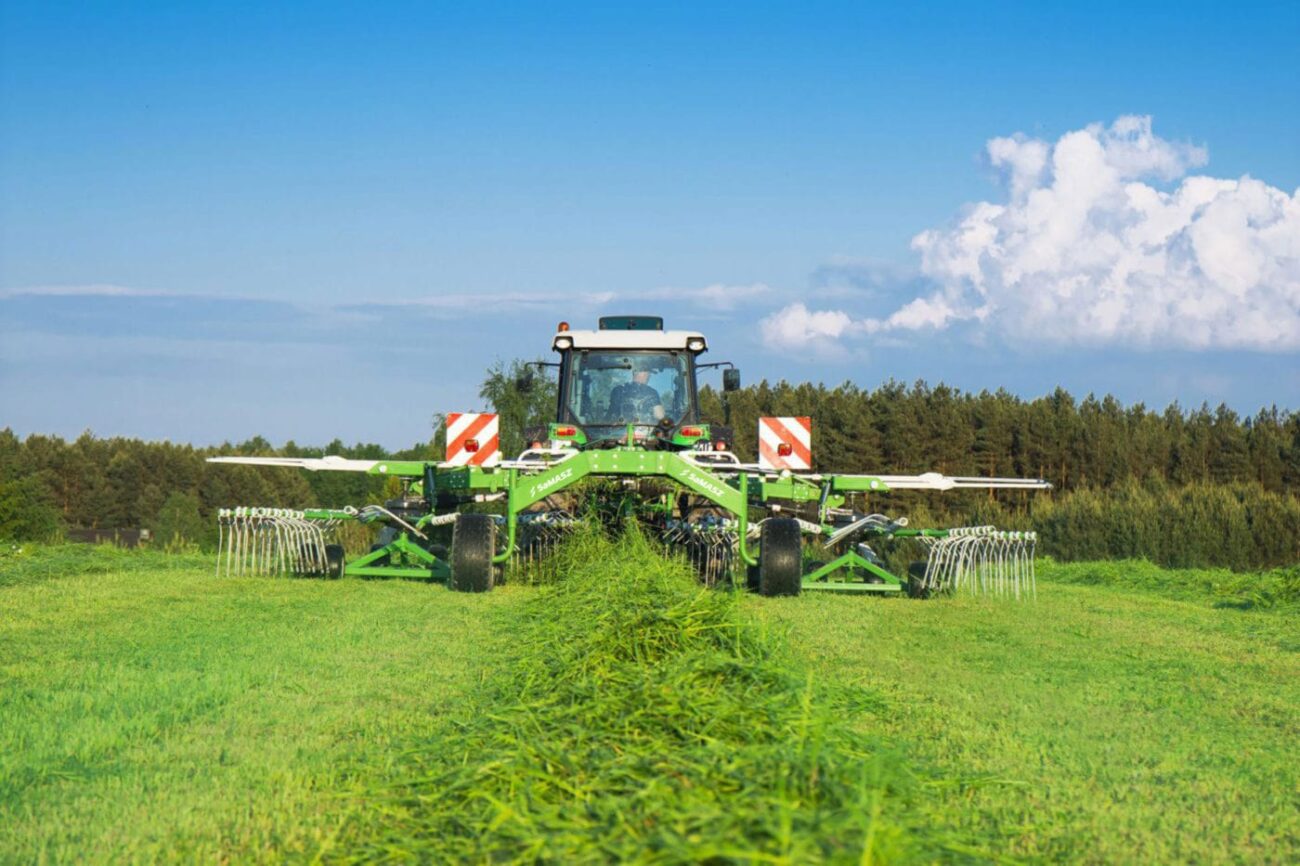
629 372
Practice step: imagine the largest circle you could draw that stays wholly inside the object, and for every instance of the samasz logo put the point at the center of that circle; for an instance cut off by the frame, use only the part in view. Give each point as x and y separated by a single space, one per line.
540 489
705 484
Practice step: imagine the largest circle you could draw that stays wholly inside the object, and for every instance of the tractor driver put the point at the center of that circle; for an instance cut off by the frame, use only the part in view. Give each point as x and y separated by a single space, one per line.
637 402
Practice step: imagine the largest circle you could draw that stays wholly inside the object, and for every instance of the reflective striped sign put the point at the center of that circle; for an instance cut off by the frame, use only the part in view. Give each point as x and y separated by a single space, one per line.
472 439
785 443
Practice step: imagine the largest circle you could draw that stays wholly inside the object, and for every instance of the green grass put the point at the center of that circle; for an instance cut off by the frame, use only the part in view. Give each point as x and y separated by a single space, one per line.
27 564
1277 589
639 717
164 714
151 711
1097 725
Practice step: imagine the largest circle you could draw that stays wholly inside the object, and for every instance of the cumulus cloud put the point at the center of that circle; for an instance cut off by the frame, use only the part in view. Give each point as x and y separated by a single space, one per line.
797 327
1088 249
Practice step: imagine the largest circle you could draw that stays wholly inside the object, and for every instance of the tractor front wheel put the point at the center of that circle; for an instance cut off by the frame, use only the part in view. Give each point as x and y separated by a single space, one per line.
780 560
473 544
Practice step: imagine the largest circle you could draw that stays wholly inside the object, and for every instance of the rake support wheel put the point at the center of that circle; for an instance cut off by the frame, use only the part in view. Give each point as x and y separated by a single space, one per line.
335 561
780 561
473 544
916 587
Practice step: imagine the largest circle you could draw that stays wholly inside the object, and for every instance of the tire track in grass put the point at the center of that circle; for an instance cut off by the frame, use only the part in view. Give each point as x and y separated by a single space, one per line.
642 718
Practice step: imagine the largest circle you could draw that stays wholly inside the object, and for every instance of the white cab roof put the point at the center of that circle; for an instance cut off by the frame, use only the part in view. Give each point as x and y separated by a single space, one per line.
628 339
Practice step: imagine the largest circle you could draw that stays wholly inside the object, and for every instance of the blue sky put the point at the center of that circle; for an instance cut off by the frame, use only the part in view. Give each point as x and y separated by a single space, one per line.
328 219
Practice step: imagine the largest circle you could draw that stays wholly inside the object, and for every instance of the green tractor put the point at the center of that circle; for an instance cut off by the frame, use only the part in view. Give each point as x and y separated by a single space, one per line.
628 442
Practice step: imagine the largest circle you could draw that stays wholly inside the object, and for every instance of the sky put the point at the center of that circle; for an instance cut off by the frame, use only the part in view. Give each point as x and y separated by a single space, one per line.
310 221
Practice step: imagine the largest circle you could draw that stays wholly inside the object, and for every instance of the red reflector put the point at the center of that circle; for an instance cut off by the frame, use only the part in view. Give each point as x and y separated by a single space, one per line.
471 445
784 449
566 431
719 445
692 431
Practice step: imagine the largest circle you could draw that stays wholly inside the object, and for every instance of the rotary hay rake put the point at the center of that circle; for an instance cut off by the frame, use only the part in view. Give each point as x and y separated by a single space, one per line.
272 541
628 443
981 560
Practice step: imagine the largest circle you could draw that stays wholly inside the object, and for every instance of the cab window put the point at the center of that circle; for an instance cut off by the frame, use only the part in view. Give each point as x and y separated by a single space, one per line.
620 387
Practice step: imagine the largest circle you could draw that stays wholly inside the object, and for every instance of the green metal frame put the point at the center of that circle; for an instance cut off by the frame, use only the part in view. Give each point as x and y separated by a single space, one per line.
523 489
418 563
844 564
848 565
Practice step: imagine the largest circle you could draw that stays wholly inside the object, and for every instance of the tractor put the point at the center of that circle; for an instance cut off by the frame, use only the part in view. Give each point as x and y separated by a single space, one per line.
628 443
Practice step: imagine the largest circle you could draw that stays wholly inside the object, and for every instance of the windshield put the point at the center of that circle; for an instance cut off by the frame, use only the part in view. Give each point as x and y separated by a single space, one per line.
608 388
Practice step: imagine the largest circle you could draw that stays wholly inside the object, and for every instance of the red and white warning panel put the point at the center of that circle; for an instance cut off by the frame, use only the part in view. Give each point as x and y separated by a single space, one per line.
785 443
472 439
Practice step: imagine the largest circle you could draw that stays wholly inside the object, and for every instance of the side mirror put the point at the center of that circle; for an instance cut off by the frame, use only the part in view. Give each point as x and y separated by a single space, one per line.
524 382
731 380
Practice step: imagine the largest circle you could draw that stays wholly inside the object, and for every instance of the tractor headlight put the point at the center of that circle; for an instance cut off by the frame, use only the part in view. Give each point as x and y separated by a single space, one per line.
563 343
695 344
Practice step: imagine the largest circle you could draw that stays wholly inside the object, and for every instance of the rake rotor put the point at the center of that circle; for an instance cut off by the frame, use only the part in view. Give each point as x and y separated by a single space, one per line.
982 560
540 533
708 543
271 541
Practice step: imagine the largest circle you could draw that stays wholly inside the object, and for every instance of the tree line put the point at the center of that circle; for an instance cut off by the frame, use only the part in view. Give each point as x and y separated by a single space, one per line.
1091 443
48 484
1187 487
1201 487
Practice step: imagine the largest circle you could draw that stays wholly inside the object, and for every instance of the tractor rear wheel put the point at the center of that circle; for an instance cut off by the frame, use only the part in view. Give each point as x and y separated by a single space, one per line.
473 544
780 560
334 561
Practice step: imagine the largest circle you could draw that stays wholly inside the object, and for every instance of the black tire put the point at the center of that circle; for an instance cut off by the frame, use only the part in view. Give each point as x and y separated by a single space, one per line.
383 560
335 561
473 544
780 561
916 587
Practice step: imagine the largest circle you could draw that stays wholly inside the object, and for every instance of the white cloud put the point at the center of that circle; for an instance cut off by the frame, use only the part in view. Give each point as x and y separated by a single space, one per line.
497 303
457 305
795 327
717 296
1087 251
914 315
101 290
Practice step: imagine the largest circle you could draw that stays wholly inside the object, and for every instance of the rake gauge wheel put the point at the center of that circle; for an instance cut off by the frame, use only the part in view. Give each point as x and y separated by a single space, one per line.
780 560
473 544
916 587
335 561
383 560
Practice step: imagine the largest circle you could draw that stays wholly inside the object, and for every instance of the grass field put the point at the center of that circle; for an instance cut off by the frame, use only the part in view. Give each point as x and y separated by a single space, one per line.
163 714
1095 725
149 710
